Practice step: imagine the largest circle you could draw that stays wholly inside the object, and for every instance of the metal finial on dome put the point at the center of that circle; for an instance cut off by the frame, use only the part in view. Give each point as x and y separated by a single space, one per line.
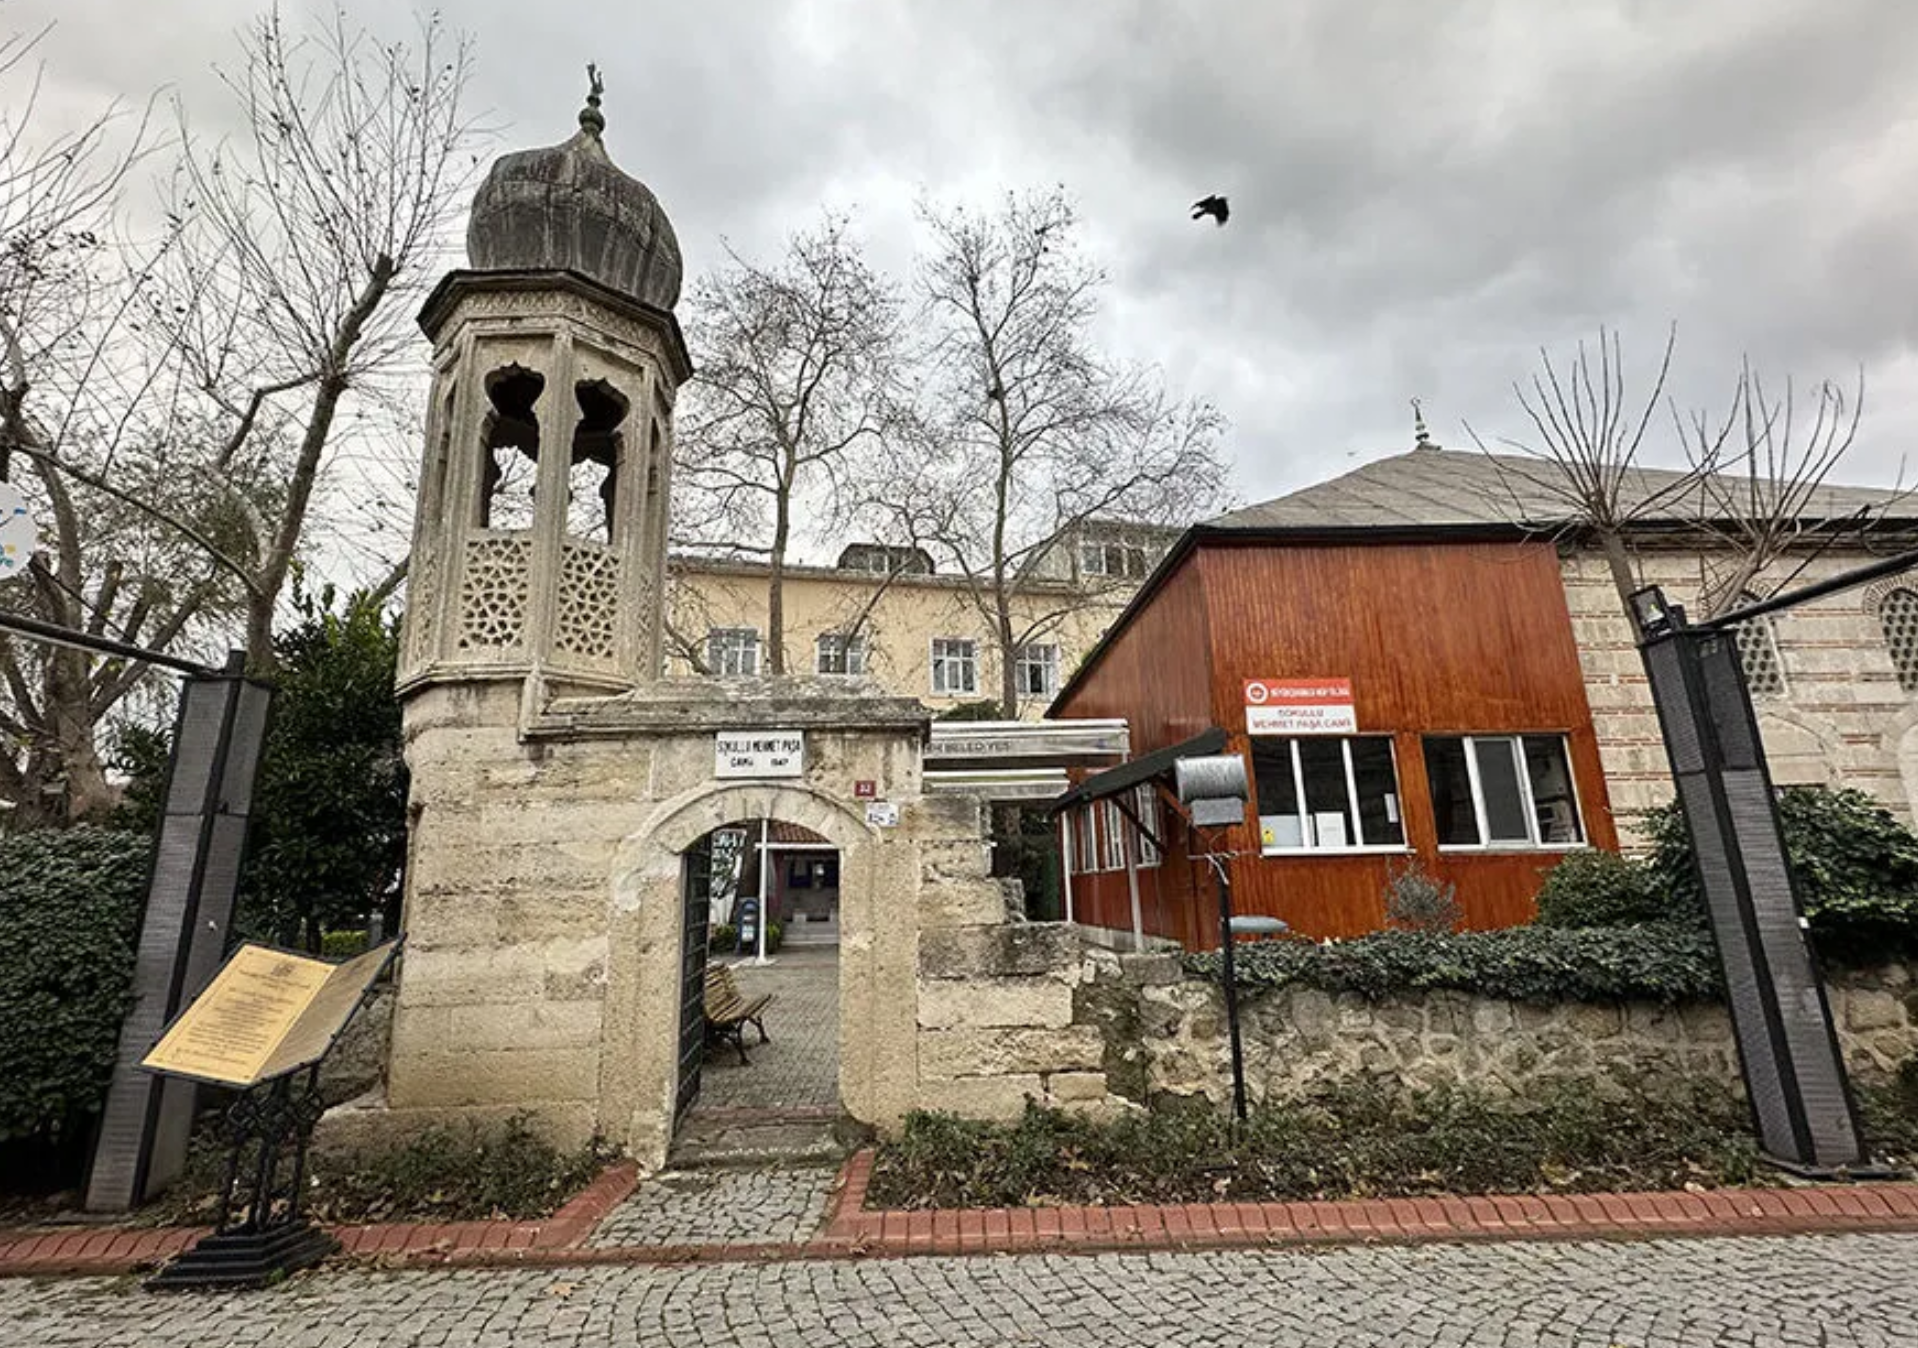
1420 439
590 117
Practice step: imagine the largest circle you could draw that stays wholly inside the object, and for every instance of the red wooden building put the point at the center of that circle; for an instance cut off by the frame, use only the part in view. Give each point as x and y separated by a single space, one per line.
1465 741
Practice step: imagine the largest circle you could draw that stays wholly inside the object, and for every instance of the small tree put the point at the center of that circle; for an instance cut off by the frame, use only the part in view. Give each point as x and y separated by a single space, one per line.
1748 493
1029 436
798 369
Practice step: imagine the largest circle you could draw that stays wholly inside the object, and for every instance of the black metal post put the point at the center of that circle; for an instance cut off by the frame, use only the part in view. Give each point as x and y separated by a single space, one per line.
1229 972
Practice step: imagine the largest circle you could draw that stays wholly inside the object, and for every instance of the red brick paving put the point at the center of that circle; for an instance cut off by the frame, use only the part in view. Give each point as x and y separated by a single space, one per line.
853 1229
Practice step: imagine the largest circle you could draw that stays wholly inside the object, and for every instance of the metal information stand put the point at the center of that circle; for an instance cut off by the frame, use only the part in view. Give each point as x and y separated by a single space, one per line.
264 1025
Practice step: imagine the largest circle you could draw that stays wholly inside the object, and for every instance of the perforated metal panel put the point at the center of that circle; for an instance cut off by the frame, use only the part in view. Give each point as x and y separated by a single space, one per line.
1793 1069
218 739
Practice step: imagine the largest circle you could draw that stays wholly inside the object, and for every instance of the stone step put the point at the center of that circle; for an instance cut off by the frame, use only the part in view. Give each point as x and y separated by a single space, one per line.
721 1139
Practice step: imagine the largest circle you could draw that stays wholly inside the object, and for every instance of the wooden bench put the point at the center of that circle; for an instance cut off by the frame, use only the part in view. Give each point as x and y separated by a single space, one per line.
728 1014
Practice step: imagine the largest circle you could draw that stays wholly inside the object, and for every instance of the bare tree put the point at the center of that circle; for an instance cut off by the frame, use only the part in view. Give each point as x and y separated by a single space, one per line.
1748 495
798 367
176 398
304 244
1033 439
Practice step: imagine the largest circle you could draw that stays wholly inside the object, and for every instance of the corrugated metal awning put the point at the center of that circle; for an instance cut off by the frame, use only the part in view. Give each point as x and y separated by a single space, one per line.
1158 763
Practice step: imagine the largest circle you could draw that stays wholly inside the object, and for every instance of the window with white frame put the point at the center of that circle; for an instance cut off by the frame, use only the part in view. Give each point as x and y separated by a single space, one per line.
1085 852
1145 804
733 652
837 653
1326 793
1118 560
1758 653
1503 791
1898 615
955 666
1112 827
1037 670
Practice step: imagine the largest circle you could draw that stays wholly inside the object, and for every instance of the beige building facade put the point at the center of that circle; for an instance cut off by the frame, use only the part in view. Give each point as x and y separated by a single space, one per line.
915 633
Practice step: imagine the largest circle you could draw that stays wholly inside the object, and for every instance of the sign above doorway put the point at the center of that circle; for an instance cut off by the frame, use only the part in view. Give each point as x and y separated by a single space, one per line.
759 753
1299 707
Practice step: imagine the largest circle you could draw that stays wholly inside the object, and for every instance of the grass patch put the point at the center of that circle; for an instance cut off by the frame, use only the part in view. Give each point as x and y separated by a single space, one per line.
1356 1140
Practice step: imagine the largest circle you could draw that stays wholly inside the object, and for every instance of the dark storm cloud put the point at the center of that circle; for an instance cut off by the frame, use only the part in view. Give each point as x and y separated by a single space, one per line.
1422 193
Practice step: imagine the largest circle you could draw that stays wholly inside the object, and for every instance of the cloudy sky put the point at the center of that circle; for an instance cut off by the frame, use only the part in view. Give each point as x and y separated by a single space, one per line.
1423 194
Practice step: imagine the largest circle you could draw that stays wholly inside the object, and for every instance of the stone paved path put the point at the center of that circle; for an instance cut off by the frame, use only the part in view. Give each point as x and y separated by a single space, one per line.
721 1207
799 1069
1834 1290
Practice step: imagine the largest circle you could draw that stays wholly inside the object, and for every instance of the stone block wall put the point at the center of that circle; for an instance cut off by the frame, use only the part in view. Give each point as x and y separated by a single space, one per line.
1165 1035
1842 720
995 1021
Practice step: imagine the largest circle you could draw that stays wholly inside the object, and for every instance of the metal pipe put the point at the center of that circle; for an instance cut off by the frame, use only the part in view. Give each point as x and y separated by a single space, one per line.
86 641
1804 594
1230 975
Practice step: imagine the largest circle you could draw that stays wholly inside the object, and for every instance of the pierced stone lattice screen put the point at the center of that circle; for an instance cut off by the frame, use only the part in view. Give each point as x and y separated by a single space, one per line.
493 600
588 603
1898 615
1758 652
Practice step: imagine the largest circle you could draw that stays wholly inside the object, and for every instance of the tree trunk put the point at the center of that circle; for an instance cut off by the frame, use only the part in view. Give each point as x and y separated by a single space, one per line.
1620 562
1008 662
776 590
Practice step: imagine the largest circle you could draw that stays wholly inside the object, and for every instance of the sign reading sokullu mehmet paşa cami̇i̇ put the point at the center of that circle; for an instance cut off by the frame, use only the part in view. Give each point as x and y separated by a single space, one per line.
759 753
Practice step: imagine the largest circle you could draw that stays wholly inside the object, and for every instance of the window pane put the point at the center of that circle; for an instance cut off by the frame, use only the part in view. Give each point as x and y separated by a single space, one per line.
1553 803
1327 801
1380 824
1278 797
1452 807
1504 794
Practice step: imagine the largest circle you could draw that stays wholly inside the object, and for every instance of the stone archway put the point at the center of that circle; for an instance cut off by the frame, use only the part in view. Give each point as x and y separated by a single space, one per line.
1801 748
638 1069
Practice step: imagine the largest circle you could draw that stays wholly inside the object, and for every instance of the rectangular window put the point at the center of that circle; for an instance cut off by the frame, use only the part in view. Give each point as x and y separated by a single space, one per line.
1113 825
1145 804
733 652
1113 559
1324 793
1085 855
836 653
1503 791
955 666
1038 670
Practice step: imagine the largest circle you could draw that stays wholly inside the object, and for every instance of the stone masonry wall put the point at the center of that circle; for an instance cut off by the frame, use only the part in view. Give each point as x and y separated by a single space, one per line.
1842 720
1165 1035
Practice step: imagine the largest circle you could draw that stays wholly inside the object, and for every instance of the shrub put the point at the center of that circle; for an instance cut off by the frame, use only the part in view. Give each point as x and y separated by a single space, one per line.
1655 961
340 945
1354 1139
70 905
1603 889
723 937
1415 901
1856 865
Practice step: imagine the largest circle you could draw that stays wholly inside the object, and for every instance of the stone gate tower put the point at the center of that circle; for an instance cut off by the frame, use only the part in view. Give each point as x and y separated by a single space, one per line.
555 935
540 539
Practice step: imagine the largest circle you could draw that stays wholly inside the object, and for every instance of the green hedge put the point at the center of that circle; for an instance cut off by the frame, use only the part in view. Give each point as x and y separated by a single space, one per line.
69 918
1665 962
1856 865
1603 889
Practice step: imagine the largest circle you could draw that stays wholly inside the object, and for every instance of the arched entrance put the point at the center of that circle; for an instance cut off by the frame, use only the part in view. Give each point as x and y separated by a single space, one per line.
657 1072
759 1025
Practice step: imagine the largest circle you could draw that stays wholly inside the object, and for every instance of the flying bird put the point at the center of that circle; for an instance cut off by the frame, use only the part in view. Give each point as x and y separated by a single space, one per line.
1213 206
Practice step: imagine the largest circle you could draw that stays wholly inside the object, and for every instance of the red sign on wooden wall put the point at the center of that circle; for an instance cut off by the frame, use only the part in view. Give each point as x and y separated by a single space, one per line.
1299 707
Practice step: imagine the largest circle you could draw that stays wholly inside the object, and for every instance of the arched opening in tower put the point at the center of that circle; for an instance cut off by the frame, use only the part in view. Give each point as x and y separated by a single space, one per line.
512 448
593 476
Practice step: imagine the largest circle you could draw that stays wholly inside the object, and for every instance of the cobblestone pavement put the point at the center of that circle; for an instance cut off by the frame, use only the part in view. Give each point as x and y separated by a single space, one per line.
721 1207
800 1067
1834 1290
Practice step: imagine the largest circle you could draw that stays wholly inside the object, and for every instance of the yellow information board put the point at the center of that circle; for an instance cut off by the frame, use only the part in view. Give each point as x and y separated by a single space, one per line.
266 1013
